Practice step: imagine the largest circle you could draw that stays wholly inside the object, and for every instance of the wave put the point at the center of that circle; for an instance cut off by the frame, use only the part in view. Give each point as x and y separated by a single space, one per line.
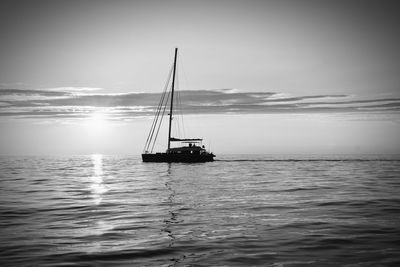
305 160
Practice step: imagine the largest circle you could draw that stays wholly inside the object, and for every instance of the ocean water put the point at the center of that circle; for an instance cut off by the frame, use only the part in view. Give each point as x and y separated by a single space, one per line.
241 210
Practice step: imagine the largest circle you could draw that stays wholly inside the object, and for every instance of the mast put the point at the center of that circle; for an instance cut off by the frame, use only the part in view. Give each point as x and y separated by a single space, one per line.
172 100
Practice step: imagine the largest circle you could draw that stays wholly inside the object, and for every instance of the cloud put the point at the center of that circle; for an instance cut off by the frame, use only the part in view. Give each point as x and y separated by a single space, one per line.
69 102
74 89
26 94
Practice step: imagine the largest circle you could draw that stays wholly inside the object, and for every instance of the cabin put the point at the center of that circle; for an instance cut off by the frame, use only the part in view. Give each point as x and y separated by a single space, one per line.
192 148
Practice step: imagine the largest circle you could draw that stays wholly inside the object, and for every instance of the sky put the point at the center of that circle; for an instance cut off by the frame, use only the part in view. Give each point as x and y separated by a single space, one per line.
274 77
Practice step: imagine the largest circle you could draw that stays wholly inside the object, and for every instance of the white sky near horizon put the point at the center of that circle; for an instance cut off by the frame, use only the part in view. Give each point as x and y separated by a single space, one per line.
297 48
226 134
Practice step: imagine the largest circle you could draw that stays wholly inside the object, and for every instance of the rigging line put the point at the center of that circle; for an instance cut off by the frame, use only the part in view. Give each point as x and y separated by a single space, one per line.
184 72
159 125
177 124
164 91
181 113
176 130
179 104
155 122
181 128
156 118
159 107
179 97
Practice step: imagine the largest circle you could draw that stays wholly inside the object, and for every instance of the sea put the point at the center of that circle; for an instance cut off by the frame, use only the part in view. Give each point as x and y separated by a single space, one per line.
240 210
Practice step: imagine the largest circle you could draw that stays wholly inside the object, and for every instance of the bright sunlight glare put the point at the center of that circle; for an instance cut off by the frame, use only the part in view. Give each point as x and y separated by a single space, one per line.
96 123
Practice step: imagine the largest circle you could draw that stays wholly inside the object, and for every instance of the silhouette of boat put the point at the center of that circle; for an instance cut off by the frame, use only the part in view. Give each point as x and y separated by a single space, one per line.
191 150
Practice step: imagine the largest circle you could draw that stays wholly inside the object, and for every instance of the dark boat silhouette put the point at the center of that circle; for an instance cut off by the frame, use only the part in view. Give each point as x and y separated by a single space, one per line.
191 150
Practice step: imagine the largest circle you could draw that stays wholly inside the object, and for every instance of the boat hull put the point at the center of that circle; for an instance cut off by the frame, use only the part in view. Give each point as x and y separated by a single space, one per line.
169 157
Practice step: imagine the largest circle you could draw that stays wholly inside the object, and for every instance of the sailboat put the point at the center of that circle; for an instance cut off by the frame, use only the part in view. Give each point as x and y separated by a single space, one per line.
190 150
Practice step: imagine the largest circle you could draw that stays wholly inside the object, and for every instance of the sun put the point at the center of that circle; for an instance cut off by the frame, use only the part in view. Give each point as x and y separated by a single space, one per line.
96 122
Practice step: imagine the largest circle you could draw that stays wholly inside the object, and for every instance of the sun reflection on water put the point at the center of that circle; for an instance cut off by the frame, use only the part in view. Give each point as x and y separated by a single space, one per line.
99 225
97 187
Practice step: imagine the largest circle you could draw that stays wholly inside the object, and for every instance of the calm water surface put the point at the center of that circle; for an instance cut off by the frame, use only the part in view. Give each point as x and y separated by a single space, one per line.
239 211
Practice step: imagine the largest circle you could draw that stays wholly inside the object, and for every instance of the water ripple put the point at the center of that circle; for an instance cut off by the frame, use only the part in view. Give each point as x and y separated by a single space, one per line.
239 211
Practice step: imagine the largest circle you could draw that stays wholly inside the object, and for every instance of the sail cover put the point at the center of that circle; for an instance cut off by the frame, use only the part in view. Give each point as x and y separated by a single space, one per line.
173 139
